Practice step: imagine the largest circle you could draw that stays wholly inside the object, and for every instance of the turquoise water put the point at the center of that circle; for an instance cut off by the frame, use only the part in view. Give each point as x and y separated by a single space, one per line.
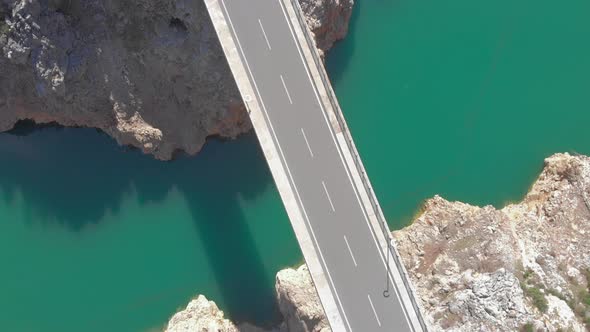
463 98
96 238
460 98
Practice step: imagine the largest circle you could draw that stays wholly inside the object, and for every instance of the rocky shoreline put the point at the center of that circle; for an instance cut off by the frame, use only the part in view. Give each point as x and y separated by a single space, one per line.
525 267
298 303
149 73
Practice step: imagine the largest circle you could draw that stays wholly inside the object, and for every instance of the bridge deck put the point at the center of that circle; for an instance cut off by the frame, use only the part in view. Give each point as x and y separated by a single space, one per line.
321 180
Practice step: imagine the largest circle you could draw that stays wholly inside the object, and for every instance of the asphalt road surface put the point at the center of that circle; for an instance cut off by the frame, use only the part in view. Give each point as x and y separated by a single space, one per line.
348 251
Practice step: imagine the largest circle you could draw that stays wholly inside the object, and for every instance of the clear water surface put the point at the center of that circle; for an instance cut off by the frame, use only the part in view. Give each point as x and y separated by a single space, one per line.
463 98
96 238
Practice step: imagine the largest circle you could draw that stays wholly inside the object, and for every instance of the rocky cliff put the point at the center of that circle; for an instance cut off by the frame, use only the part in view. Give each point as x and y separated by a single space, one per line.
150 73
525 267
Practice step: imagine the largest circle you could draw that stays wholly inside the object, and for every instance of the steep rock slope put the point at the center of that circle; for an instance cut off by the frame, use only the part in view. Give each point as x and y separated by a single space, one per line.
524 266
150 73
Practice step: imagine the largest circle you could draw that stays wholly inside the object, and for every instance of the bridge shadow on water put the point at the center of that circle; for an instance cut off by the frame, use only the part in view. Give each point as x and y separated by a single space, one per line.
74 178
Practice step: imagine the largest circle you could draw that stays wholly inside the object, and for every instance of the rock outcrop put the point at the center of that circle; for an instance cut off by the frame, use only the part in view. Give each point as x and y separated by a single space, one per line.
298 303
150 73
524 266
319 12
200 315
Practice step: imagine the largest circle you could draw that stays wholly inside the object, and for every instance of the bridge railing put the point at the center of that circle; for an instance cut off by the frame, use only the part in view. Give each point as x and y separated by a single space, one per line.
359 165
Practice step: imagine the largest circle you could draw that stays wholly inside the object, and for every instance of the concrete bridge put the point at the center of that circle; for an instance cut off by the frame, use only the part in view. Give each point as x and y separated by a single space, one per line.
330 202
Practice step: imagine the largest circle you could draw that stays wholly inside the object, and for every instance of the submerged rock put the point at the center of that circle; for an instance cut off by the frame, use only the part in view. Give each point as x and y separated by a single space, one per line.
149 73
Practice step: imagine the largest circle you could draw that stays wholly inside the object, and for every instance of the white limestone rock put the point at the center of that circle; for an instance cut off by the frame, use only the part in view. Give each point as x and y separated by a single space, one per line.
200 315
497 270
299 302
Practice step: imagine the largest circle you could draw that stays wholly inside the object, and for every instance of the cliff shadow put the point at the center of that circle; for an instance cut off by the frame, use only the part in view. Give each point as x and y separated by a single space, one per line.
68 176
73 178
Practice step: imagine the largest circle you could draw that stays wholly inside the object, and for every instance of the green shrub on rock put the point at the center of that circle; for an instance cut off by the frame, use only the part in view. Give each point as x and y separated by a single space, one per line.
538 298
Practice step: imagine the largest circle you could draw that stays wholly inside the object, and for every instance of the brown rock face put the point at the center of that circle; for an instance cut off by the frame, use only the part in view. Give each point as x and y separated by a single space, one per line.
336 12
501 270
150 73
